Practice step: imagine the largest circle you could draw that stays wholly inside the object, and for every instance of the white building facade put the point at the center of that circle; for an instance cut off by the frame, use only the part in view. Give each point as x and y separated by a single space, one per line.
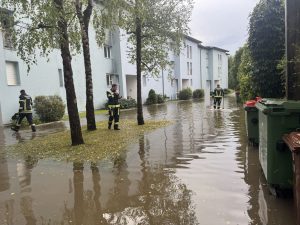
197 67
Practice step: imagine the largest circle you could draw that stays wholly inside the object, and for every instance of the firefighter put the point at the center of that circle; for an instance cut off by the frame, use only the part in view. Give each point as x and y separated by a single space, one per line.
113 106
25 110
218 95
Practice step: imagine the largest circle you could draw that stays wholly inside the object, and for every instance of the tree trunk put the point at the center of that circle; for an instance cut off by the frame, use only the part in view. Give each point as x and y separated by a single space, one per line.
76 135
84 21
293 49
140 117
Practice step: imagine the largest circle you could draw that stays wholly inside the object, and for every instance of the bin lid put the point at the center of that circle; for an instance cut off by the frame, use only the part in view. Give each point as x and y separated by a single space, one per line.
250 103
278 105
293 141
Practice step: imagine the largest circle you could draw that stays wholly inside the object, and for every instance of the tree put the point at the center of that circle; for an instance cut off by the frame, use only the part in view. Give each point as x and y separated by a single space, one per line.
39 28
233 64
84 21
266 46
245 74
154 29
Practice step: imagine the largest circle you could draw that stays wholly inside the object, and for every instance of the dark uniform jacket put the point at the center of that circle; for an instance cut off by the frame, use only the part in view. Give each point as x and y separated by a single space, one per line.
218 93
25 104
113 99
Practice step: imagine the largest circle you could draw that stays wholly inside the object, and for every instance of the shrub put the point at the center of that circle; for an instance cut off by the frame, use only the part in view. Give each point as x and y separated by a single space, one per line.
127 103
152 97
185 94
226 91
198 93
49 108
160 99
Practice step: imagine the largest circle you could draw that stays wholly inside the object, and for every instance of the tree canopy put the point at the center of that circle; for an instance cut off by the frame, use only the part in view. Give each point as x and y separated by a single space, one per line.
267 46
164 24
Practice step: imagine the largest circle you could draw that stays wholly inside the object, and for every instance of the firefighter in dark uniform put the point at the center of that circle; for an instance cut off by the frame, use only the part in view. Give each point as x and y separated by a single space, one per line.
25 110
218 95
113 107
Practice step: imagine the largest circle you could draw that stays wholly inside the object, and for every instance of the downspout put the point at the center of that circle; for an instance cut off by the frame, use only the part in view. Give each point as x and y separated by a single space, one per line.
200 69
163 82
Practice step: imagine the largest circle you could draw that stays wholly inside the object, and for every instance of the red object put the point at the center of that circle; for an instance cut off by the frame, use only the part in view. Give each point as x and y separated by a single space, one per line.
250 103
293 142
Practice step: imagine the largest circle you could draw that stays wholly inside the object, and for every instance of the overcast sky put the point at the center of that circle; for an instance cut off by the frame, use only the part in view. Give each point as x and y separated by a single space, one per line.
221 23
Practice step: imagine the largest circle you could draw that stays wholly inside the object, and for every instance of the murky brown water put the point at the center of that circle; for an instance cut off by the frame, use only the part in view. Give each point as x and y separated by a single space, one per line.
200 170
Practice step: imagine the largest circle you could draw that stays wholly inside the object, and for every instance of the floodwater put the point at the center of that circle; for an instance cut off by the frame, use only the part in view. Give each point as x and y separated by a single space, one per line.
199 170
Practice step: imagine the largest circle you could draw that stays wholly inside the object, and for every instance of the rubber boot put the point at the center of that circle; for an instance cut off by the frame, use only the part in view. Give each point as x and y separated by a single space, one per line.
109 125
33 128
15 128
116 127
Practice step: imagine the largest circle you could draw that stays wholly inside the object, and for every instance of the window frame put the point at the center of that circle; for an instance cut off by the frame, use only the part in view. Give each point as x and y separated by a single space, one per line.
61 77
107 51
17 73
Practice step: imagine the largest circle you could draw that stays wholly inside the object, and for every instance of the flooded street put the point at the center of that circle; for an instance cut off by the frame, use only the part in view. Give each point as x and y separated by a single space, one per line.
199 170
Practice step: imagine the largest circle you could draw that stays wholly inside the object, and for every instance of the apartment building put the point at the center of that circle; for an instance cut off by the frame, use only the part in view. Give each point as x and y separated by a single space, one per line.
197 66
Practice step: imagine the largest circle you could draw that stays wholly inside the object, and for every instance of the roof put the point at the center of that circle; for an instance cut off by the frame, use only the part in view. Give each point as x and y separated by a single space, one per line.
216 48
193 39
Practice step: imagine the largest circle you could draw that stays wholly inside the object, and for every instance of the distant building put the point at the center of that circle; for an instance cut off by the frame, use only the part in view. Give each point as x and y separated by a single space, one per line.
196 67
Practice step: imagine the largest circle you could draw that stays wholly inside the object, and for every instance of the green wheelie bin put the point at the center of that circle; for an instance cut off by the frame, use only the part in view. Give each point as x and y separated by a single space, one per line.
251 115
277 117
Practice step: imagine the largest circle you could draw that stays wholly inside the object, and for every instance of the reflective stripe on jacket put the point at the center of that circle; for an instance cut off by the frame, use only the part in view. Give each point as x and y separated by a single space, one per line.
218 93
25 104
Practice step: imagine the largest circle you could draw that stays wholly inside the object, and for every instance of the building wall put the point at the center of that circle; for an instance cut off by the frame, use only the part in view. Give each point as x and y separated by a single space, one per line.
43 79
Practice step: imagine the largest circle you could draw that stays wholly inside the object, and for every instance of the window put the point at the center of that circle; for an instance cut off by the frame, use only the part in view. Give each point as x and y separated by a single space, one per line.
219 58
107 51
188 68
190 52
12 73
144 81
61 79
111 79
6 22
7 39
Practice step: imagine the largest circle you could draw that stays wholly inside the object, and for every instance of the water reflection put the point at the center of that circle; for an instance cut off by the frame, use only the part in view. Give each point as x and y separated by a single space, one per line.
199 170
4 176
24 170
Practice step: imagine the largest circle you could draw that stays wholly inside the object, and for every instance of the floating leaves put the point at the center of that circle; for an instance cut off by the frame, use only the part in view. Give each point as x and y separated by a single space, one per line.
99 144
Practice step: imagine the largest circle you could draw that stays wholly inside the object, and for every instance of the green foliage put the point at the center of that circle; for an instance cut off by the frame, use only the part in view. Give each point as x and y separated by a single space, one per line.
127 103
198 93
164 24
266 45
226 91
160 99
245 72
185 94
152 97
36 27
233 65
49 108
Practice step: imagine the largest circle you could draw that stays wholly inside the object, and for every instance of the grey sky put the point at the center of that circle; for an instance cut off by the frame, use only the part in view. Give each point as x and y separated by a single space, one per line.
221 23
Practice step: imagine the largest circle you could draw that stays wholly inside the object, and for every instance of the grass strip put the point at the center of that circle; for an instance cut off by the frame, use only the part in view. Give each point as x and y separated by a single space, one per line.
99 144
